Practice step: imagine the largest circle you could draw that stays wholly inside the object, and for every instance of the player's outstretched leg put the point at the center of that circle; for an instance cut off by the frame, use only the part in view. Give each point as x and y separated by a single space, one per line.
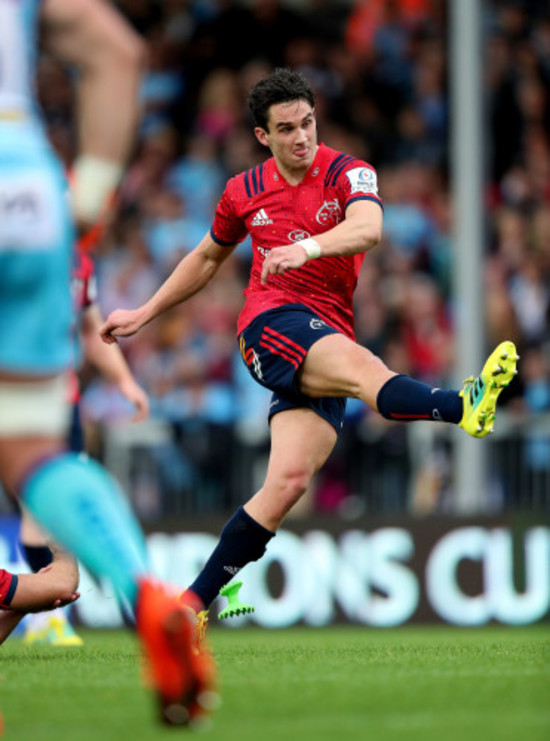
480 394
184 678
234 607
200 617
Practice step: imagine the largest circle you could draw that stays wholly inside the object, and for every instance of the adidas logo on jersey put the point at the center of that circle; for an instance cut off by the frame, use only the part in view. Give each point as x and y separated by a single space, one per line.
261 219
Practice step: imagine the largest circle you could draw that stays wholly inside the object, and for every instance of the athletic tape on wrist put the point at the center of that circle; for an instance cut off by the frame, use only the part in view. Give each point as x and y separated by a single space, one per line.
93 182
312 248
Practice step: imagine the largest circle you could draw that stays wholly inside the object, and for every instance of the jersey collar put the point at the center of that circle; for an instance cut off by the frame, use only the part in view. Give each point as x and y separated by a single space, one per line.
278 182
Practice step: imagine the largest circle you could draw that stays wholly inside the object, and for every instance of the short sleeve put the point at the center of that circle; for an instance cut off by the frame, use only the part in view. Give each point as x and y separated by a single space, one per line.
358 182
228 228
8 585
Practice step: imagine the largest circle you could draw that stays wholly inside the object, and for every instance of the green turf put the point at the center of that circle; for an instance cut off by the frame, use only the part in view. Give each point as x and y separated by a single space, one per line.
299 684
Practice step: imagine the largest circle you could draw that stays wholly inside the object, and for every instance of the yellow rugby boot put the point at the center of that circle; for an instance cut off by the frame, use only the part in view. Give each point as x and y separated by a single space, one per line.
35 631
480 394
61 633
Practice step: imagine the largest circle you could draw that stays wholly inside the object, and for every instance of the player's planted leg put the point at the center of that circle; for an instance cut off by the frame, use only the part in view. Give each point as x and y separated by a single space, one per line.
234 607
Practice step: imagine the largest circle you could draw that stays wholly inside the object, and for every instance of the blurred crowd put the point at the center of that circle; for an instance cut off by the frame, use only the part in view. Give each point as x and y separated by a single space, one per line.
380 72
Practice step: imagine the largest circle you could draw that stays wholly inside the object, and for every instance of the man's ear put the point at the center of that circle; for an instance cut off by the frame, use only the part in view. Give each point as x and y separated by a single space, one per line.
261 136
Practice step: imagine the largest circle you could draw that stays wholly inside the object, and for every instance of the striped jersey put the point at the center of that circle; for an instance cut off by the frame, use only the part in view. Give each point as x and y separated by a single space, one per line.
260 202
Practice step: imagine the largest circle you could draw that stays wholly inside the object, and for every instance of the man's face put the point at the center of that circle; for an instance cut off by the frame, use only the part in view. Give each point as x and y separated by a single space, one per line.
291 135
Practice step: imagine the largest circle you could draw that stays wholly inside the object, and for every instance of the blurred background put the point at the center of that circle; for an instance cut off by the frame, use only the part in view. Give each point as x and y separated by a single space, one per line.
381 71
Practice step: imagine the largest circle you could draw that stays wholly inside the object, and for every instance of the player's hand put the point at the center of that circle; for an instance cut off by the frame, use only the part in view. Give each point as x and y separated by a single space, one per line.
132 391
121 323
64 602
281 259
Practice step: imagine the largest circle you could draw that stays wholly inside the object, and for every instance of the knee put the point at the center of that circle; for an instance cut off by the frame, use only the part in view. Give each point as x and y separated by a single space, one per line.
292 486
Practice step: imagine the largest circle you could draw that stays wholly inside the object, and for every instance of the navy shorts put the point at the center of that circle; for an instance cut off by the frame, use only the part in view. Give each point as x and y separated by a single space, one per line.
274 346
75 436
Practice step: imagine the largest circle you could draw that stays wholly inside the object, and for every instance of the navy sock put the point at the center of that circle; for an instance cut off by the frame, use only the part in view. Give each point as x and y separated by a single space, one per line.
37 556
242 540
402 398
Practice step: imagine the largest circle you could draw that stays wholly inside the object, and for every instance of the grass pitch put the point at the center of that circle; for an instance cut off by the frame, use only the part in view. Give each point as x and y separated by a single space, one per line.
297 684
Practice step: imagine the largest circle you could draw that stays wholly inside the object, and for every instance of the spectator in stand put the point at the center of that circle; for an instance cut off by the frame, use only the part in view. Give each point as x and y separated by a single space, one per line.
427 330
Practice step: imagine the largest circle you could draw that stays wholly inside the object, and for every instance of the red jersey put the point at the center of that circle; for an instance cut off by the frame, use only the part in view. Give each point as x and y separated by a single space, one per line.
8 585
261 202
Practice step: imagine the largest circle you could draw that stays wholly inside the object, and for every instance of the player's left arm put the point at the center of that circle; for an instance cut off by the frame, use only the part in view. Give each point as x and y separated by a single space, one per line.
110 361
359 231
53 586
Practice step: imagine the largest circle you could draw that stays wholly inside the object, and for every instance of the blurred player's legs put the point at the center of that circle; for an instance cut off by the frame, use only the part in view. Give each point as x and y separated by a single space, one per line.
74 500
53 627
80 505
183 673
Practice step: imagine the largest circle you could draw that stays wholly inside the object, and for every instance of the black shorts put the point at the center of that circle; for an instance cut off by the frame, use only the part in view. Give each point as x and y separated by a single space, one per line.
274 346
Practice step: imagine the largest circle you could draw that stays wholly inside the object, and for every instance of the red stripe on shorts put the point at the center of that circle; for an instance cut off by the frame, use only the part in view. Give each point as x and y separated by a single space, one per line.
410 416
287 341
278 351
284 346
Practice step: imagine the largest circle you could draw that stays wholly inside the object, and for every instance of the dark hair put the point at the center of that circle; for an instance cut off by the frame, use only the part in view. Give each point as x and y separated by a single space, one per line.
281 86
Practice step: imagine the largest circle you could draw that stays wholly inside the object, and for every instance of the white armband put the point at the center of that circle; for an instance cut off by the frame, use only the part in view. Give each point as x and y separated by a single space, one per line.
312 248
93 182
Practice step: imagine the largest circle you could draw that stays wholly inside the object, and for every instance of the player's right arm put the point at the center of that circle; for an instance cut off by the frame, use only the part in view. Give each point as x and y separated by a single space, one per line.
189 277
91 36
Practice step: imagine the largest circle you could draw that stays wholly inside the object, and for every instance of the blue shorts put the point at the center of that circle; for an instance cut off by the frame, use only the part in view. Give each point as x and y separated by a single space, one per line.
36 255
274 346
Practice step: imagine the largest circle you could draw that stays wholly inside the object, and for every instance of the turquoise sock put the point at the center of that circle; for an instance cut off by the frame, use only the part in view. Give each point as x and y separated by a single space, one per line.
83 509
